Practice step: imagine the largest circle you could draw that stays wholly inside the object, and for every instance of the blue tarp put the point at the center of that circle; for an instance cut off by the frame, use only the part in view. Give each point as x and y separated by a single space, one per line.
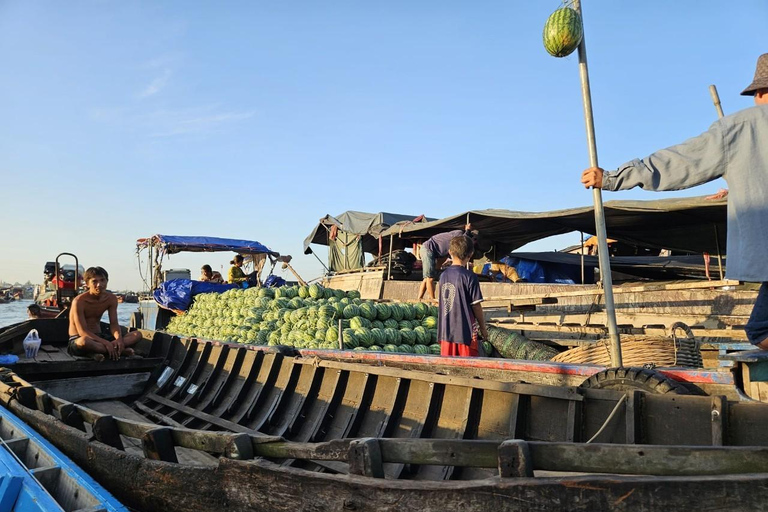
545 272
178 293
172 244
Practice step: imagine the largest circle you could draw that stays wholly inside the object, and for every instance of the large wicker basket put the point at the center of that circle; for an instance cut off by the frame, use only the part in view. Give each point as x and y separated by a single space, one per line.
640 350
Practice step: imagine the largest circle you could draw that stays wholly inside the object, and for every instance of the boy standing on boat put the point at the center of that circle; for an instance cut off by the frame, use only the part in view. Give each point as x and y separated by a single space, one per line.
460 303
86 336
733 148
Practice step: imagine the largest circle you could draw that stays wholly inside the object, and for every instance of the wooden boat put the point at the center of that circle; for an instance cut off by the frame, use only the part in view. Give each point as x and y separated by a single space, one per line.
202 425
37 477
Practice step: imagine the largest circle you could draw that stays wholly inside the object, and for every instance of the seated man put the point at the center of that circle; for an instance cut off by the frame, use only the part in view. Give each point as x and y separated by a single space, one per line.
85 334
209 275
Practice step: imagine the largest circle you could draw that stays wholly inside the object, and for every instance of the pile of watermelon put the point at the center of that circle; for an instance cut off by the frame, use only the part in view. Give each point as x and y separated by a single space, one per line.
513 345
310 317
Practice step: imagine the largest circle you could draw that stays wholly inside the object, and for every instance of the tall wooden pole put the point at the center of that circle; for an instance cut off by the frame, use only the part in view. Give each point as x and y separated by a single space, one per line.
602 244
720 115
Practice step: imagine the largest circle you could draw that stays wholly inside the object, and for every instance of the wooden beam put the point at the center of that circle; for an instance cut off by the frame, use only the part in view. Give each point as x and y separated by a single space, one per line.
99 387
214 420
105 431
515 459
158 445
365 458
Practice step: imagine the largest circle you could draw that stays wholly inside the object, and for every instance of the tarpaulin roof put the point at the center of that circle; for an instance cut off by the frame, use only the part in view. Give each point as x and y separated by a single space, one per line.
368 225
692 224
171 244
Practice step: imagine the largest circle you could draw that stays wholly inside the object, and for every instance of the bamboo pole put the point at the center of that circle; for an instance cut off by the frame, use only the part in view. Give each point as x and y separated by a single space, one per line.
602 245
720 115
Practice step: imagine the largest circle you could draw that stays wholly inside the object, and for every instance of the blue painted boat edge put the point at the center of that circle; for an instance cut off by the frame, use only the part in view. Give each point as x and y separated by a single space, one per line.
20 490
109 502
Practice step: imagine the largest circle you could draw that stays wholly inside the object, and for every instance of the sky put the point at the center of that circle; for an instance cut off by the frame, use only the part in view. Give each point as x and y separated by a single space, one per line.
254 119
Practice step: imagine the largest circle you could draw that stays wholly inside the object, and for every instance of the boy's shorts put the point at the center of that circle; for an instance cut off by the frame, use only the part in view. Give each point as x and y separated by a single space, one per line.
428 263
74 350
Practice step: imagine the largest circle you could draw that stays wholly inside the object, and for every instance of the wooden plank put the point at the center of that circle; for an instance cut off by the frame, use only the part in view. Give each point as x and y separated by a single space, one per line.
156 416
213 420
563 393
618 290
649 459
158 444
719 418
99 387
105 431
515 459
632 415
365 458
305 391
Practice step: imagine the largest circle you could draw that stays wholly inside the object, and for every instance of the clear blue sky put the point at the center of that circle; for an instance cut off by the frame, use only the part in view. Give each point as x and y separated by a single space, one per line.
254 119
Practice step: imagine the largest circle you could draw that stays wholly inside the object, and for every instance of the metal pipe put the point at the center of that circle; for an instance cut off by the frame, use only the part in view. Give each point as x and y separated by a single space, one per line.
389 260
602 243
318 259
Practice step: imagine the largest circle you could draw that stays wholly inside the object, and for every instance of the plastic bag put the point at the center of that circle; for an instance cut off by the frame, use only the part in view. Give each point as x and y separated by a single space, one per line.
32 344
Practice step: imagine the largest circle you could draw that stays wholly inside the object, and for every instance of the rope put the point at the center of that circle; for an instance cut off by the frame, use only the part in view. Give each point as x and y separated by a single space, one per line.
608 419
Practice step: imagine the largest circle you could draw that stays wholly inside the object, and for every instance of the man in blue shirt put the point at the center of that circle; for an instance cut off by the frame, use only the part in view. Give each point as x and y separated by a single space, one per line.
433 254
736 149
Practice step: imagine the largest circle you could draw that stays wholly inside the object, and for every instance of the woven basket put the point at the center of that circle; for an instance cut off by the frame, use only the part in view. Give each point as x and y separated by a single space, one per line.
638 351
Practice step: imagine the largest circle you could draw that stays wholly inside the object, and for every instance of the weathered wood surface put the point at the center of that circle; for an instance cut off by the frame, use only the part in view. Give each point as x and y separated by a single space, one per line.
260 485
100 387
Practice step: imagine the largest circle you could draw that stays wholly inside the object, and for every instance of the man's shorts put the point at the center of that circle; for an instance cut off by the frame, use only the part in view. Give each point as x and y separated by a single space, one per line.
428 263
74 350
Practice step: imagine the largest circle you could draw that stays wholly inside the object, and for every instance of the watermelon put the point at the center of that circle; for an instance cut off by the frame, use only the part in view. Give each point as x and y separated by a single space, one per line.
407 349
390 348
351 311
353 294
404 324
375 348
397 312
435 348
303 292
408 312
316 291
392 336
422 336
368 311
378 336
488 348
421 310
378 324
563 32
383 311
332 335
420 349
391 323
360 348
407 336
364 336
429 322
349 338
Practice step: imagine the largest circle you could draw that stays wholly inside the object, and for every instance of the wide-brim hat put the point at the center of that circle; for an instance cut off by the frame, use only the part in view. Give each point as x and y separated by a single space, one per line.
761 77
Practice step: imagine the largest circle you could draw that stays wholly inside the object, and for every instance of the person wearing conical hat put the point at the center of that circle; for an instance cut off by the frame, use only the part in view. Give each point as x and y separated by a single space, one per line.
736 149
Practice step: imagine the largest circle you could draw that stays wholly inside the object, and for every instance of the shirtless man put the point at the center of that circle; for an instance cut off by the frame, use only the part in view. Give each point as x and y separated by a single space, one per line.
85 334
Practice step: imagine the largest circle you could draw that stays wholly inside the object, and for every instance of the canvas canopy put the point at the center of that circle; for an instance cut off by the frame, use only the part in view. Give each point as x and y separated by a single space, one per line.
171 244
368 226
693 225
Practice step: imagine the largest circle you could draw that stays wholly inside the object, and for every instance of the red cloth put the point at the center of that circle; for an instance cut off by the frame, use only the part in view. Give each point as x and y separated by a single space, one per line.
448 348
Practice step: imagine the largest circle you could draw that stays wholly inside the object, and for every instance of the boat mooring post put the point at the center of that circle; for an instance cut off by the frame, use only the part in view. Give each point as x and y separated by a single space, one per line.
602 243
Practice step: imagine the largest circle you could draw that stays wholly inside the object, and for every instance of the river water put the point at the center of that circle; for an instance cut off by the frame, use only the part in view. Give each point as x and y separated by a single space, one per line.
16 311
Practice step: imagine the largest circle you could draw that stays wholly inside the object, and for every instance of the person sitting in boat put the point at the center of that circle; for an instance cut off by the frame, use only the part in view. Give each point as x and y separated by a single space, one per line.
209 275
236 274
86 336
460 304
433 254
